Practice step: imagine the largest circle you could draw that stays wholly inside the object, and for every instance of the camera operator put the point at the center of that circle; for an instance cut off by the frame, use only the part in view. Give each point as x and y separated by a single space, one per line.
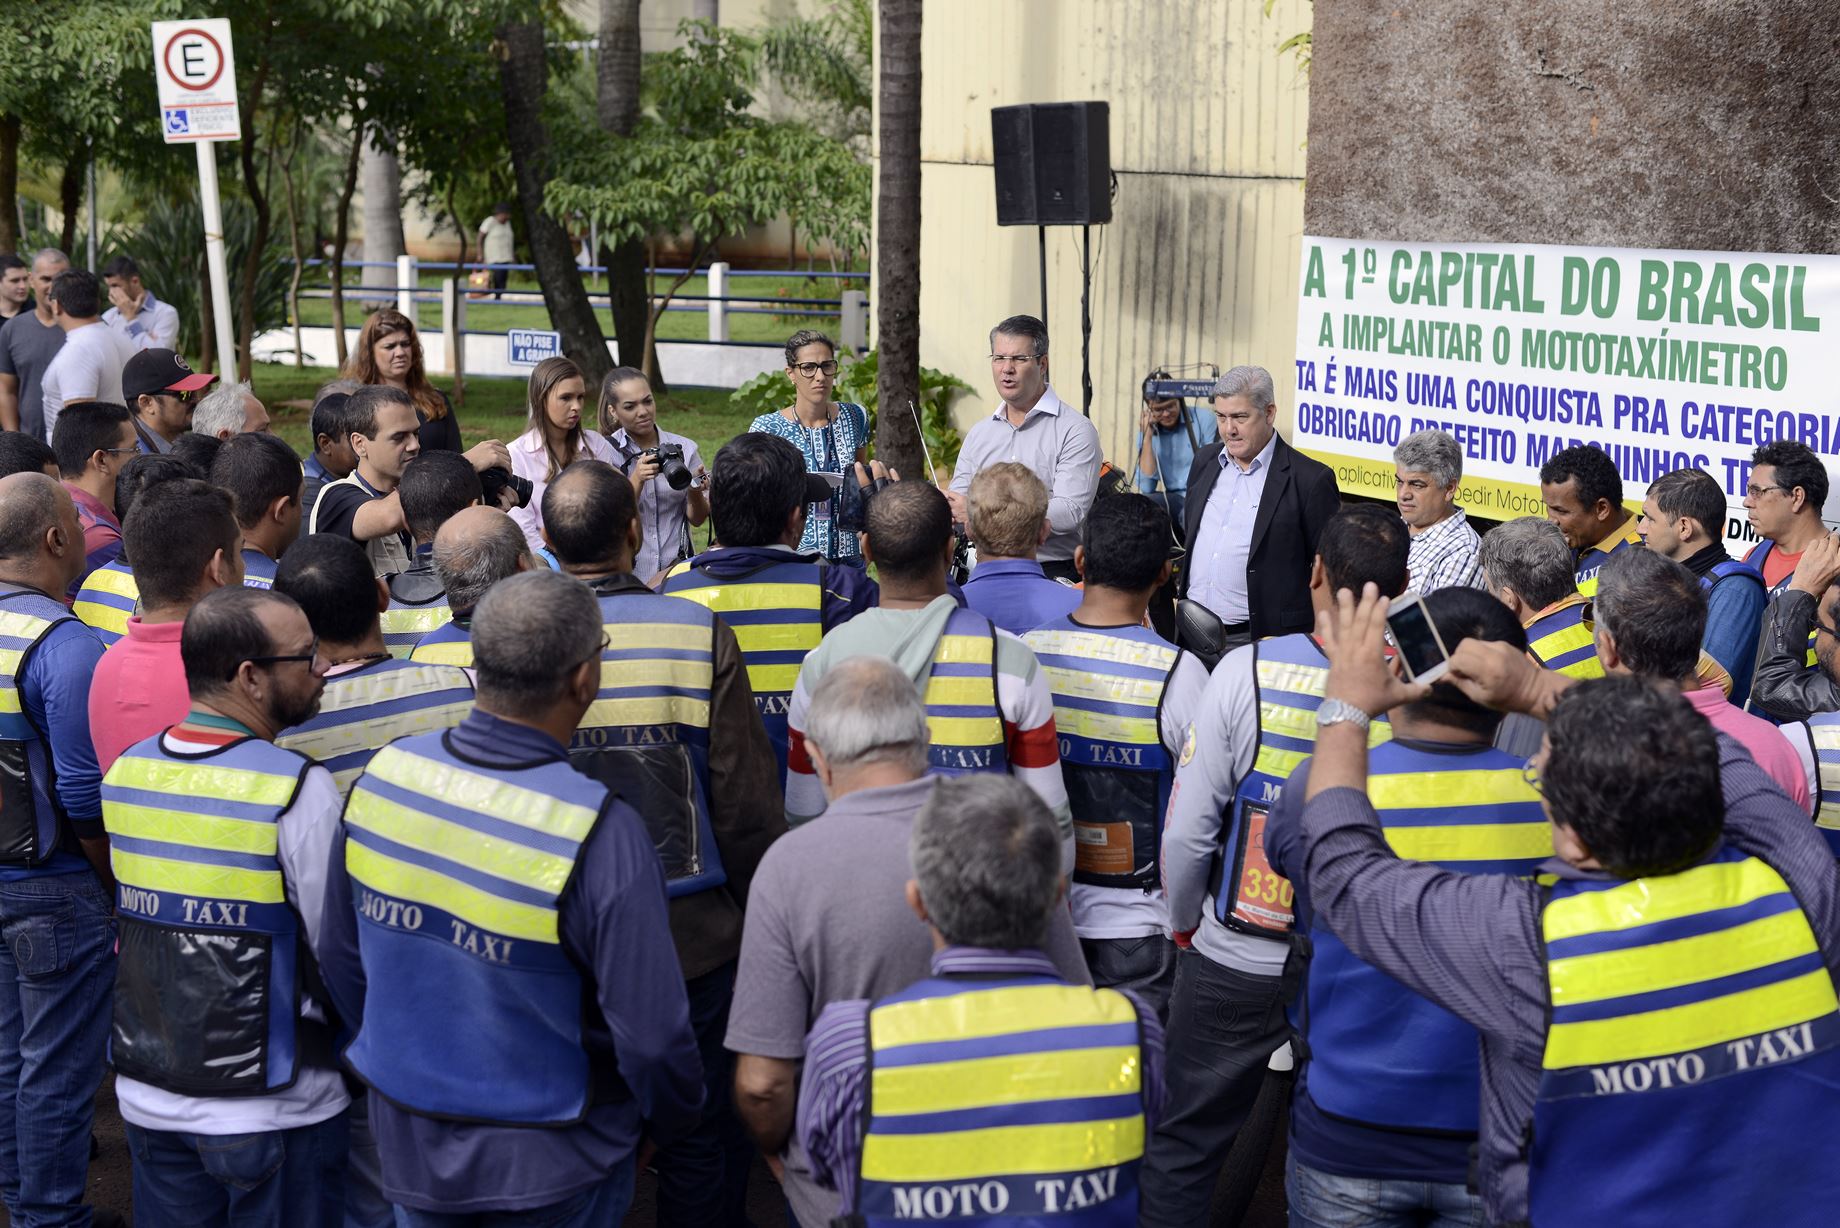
1169 433
364 505
665 469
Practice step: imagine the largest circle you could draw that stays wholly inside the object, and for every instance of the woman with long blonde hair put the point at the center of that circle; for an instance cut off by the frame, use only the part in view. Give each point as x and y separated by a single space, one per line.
389 351
554 437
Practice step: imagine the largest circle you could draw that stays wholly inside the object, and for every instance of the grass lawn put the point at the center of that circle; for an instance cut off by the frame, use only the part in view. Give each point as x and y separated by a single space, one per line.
688 324
494 408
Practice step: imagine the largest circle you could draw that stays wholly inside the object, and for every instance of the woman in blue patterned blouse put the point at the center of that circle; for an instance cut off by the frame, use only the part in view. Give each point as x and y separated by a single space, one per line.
831 435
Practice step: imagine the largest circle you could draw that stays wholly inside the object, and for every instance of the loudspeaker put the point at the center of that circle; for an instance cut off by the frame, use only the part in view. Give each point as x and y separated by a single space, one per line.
1053 163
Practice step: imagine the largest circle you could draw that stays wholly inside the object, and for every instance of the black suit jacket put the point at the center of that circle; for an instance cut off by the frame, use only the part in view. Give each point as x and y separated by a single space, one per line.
1298 499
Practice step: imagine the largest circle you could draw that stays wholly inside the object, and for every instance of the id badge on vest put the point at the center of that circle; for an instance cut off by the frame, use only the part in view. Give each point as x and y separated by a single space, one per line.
1264 902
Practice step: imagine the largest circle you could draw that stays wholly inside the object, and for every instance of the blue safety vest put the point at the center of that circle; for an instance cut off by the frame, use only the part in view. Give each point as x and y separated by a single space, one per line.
418 606
646 735
1560 640
1824 740
32 820
962 712
363 711
451 643
258 569
777 615
107 600
1754 560
1108 699
1290 672
473 1009
1002 1101
1379 1053
1591 560
1691 1058
1720 572
207 987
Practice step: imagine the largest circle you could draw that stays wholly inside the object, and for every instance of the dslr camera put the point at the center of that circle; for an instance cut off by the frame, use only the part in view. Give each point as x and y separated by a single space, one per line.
496 479
670 458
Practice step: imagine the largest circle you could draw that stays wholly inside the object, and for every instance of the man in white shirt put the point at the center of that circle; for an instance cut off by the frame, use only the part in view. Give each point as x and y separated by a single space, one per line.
1427 465
143 319
1035 428
498 245
89 366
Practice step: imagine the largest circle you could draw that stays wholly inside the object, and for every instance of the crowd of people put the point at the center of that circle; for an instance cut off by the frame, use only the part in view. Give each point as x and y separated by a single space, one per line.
433 836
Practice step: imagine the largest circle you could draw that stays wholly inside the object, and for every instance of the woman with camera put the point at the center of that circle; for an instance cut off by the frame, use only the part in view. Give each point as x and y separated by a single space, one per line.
666 471
554 438
832 435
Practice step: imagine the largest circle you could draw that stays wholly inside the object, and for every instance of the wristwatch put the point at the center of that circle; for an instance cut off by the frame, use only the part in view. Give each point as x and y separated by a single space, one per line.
1340 712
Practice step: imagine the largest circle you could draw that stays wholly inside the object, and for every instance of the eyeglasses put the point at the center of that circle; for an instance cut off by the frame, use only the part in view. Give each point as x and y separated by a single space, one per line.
606 643
184 398
309 657
1758 492
1012 360
810 369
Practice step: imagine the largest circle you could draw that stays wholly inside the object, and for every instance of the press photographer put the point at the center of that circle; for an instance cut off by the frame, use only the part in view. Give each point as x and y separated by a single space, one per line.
670 507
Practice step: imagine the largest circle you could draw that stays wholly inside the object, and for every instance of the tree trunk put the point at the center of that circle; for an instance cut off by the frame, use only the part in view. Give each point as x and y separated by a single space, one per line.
523 74
897 238
617 105
341 232
70 200
258 197
9 183
456 361
659 303
381 174
295 246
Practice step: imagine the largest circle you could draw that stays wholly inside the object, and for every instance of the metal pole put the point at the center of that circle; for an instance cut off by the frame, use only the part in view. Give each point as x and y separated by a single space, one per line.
1086 320
214 256
1041 234
92 205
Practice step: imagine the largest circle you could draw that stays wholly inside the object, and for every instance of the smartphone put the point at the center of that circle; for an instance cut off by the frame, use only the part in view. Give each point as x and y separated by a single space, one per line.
1421 648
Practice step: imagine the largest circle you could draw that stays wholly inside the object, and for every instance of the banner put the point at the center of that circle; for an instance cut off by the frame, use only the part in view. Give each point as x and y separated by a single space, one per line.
1664 359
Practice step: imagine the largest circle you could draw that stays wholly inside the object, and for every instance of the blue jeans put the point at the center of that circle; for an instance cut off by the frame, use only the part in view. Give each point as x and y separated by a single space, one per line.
1328 1200
57 975
599 1206
702 1176
275 1179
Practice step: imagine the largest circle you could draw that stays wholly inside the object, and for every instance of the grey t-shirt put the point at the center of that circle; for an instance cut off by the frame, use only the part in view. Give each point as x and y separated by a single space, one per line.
828 921
26 350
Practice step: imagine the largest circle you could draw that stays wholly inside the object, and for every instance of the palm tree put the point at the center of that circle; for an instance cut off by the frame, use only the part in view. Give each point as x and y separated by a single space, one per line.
897 238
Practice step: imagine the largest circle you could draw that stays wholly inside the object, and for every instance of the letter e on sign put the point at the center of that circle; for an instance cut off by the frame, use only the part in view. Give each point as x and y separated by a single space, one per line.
195 69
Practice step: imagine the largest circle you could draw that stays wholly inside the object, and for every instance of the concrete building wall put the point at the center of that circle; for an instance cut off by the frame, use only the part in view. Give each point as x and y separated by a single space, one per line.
1199 263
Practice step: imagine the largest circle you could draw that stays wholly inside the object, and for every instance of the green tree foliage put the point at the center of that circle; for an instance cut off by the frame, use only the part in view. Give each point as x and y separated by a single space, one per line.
856 382
825 63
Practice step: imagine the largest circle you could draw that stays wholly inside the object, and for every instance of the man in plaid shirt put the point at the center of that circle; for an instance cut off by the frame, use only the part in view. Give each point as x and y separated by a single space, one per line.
1428 466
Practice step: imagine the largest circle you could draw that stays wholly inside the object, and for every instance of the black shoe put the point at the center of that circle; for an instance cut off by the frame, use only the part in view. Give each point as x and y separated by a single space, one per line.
103 1217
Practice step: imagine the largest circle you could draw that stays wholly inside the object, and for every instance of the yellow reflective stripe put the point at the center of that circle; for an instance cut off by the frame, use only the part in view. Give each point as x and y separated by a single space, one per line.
102 617
25 626
182 779
503 800
975 1083
965 730
458 653
1829 817
1096 646
416 618
334 740
204 831
1585 670
964 692
1694 1026
9 701
1564 640
1107 727
763 679
494 855
996 1012
749 595
1756 944
113 581
402 881
192 878
1292 678
659 671
1104 688
661 710
1472 787
1826 736
963 650
9 661
1003 1151
1280 763
1473 841
777 637
1644 901
671 636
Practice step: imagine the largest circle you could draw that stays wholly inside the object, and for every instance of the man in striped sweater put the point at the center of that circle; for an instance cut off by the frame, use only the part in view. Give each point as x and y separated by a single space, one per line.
988 703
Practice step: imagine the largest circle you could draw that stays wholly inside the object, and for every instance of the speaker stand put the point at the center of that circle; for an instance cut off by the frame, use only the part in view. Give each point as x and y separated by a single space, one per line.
1086 320
1041 235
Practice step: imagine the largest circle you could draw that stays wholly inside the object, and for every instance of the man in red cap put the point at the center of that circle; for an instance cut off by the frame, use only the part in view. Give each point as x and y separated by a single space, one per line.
161 388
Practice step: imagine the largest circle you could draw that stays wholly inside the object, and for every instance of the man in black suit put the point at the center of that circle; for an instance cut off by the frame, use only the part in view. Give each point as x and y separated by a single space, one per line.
1255 510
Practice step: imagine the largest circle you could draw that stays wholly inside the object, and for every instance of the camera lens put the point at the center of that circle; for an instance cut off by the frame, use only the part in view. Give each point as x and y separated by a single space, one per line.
675 472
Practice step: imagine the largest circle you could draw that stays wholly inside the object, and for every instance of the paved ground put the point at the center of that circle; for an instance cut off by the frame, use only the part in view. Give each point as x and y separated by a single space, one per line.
109 1182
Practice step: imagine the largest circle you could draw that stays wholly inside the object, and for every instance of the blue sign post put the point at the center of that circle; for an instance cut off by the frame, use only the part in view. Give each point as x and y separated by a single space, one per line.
526 347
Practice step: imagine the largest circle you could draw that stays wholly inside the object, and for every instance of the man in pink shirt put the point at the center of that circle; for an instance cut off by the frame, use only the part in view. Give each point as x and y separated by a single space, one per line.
184 542
1651 615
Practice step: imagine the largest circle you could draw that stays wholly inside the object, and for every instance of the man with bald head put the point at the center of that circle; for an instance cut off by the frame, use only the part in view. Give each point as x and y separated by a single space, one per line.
475 549
58 961
988 702
675 705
